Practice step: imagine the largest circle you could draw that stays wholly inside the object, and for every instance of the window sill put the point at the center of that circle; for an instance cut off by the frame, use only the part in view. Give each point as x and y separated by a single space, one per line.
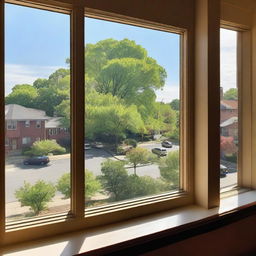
137 231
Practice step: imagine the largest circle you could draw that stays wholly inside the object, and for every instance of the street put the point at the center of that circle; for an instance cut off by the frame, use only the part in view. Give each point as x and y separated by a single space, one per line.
17 174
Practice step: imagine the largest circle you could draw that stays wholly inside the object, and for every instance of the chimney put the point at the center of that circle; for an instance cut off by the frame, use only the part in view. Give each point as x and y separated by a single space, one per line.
221 93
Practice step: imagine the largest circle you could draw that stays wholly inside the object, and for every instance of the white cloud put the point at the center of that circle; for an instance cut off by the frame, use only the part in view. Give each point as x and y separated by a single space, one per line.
228 59
168 93
25 74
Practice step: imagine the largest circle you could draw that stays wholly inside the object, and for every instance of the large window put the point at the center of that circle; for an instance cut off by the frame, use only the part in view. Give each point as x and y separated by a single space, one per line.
108 117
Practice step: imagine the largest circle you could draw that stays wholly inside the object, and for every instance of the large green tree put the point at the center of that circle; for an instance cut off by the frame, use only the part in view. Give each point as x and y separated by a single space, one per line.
24 95
122 68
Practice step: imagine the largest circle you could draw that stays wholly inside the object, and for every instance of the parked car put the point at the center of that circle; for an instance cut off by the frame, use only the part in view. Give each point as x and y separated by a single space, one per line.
97 144
159 151
37 160
166 144
223 171
87 146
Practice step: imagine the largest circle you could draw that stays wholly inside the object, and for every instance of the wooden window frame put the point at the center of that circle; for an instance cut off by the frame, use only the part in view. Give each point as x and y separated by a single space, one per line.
78 218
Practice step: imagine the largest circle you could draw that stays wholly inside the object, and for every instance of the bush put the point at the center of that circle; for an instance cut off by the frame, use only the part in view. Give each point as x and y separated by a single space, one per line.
44 147
116 180
144 186
92 185
131 142
169 168
36 196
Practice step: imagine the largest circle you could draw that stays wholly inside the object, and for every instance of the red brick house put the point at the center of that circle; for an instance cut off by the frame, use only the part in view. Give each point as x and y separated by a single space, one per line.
229 128
24 126
228 109
54 131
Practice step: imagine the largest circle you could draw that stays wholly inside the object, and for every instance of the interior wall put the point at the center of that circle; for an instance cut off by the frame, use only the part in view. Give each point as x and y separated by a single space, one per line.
164 11
235 239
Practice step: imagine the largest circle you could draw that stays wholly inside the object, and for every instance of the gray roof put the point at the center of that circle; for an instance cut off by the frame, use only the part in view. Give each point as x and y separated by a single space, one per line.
229 121
53 122
19 113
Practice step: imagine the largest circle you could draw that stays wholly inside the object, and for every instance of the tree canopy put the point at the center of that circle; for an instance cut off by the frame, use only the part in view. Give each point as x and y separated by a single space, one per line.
231 94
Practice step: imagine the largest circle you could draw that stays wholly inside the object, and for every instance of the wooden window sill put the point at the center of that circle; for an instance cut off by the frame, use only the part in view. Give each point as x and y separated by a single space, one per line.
143 230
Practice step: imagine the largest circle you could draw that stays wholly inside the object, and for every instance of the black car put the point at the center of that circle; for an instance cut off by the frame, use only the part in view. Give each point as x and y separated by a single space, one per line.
37 160
166 144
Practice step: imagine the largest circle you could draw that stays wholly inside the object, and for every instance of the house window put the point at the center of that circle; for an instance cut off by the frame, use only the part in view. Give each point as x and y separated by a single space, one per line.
7 142
11 125
26 140
27 123
38 124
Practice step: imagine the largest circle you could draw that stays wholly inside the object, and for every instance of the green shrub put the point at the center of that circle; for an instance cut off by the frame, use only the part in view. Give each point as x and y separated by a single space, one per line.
92 185
169 168
36 196
131 142
116 180
44 147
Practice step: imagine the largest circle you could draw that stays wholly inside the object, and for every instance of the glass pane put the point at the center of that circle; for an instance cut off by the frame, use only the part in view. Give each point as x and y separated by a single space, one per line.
132 104
37 89
229 140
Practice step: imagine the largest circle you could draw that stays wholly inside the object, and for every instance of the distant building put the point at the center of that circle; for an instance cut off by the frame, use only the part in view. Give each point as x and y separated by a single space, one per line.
229 128
24 126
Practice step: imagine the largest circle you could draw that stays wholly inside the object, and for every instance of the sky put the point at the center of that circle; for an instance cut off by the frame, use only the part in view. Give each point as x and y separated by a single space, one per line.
38 42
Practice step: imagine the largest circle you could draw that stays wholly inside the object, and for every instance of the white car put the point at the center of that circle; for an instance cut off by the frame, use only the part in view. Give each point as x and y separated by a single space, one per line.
87 146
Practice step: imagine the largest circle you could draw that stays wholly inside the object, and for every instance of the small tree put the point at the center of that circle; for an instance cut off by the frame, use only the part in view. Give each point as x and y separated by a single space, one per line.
139 156
169 168
36 196
44 147
92 185
115 178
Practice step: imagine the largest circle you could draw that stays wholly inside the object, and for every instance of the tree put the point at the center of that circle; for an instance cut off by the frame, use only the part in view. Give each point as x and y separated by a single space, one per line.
44 147
227 145
24 95
138 156
169 168
114 178
122 68
175 104
36 196
41 83
231 94
108 116
92 185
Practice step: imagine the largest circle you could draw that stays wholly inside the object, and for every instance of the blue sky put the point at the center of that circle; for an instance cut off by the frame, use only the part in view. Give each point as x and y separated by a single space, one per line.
38 43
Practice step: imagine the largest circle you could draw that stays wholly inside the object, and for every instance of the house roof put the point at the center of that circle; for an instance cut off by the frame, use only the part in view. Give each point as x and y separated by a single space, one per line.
229 104
19 113
229 121
53 122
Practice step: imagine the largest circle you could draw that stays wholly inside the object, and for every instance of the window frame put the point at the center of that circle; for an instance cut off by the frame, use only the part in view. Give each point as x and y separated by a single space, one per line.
59 223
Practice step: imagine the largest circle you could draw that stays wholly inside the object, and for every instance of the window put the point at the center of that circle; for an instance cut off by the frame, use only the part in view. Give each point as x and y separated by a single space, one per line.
27 123
38 124
88 93
132 110
11 125
37 89
229 109
26 140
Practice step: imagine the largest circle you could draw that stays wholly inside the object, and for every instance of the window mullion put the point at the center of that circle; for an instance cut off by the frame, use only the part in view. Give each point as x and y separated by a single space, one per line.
2 129
77 106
